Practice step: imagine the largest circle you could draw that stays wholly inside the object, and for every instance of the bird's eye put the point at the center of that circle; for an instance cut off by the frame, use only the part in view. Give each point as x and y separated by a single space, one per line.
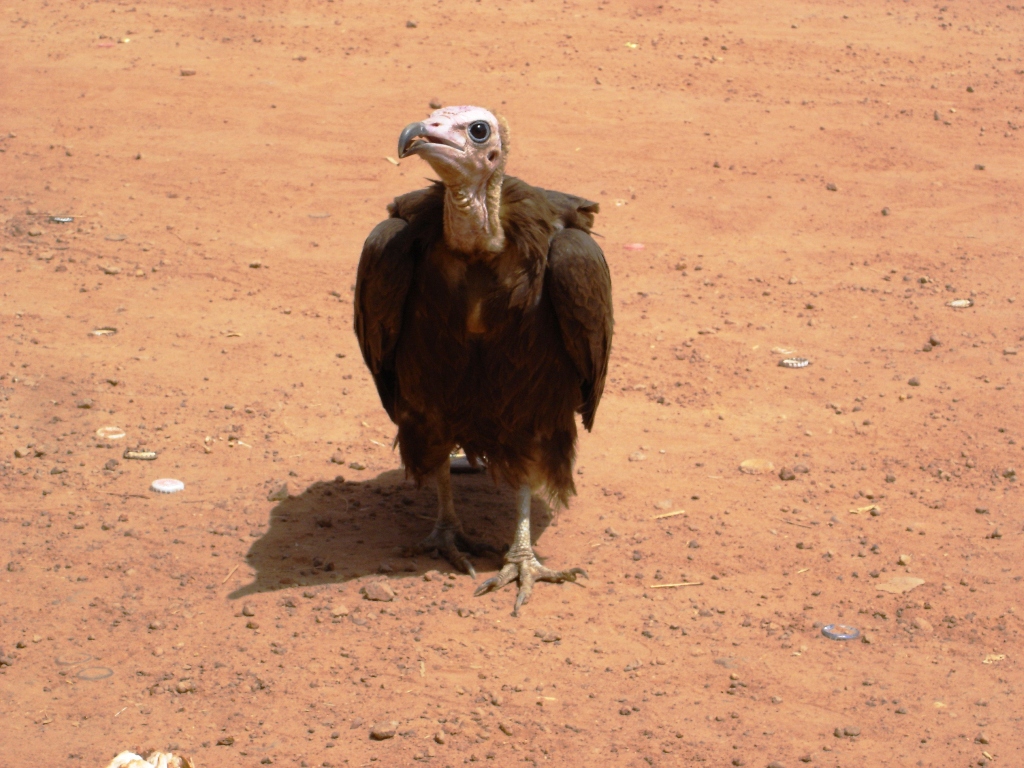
479 131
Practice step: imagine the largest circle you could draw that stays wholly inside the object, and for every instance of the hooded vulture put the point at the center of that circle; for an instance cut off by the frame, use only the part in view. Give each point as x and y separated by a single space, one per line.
483 310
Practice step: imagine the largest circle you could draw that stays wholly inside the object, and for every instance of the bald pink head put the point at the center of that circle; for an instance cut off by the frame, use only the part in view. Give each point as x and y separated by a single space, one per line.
464 145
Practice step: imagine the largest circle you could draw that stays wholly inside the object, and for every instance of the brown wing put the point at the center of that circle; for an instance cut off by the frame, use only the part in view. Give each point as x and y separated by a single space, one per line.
575 212
386 270
581 291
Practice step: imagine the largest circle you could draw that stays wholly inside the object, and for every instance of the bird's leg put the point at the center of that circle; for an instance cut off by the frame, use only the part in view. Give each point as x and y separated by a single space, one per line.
521 563
447 536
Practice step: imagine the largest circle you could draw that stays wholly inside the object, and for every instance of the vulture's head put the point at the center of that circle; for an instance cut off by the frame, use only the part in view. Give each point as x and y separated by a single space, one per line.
465 146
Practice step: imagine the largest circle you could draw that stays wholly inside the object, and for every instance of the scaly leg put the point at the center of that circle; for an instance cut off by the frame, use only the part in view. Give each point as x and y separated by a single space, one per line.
447 536
520 562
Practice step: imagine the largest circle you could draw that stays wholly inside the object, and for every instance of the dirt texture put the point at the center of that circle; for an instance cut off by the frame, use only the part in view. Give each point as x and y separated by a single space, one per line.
794 179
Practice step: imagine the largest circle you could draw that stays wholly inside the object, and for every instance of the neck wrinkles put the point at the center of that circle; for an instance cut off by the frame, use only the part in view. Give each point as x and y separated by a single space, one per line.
471 216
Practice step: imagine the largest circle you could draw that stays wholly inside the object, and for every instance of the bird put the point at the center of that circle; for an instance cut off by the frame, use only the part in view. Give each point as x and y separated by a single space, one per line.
483 310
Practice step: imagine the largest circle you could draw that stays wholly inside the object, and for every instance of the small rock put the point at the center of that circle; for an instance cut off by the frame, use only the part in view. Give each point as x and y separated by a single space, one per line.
775 764
357 465
1010 351
384 730
831 187
664 504
185 686
111 464
248 610
547 637
86 403
187 72
337 458
838 733
379 591
901 710
921 625
637 456
22 452
885 211
637 555
693 544
156 625
890 478
851 730
226 741
435 104
981 738
281 494
904 560
756 466
996 534
786 474
801 469
914 381
411 24
339 610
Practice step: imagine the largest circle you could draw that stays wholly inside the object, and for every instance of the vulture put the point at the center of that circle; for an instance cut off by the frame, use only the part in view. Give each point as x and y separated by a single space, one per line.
483 310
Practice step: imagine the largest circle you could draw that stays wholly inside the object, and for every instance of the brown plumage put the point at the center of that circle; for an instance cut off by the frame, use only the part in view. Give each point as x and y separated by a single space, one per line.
483 310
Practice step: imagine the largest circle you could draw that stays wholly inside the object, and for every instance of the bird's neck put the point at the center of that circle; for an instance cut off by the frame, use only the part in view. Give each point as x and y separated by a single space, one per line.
472 221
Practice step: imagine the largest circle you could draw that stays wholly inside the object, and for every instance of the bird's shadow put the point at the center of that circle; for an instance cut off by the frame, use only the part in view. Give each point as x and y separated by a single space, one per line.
337 530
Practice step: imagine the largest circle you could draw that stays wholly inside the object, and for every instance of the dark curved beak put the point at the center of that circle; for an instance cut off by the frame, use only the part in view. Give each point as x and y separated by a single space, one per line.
410 132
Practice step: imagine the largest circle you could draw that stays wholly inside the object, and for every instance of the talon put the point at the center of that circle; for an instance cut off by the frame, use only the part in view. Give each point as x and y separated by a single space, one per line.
447 543
527 571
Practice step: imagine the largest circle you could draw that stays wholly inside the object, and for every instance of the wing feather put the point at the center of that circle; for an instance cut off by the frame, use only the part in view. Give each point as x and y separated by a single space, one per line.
580 286
386 270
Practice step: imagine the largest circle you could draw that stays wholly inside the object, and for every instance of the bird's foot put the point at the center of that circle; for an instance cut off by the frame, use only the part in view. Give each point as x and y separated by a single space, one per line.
525 568
449 543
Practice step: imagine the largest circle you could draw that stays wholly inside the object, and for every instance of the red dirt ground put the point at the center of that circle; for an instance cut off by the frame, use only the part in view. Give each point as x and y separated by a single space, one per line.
821 178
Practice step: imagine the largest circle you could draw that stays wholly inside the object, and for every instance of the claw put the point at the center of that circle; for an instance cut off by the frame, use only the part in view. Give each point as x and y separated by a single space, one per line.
527 571
447 542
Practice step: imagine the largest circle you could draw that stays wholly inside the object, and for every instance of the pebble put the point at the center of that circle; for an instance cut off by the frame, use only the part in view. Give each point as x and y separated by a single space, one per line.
281 494
248 610
435 103
357 465
187 72
801 469
786 474
379 591
339 610
756 466
156 625
914 381
338 458
637 456
904 560
547 637
921 625
384 730
775 764
185 686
